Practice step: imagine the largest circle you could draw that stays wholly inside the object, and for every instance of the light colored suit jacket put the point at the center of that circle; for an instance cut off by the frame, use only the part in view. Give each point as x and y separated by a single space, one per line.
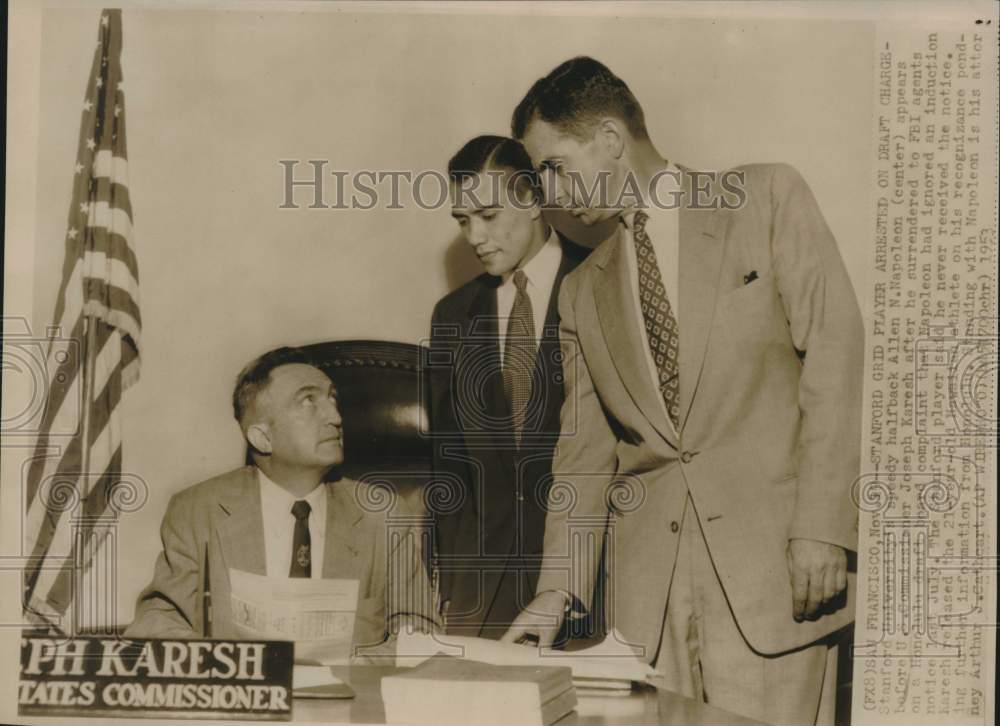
218 524
769 441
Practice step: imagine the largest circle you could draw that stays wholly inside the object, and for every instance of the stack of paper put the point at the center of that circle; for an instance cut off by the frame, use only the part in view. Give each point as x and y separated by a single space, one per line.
448 691
609 664
317 614
309 681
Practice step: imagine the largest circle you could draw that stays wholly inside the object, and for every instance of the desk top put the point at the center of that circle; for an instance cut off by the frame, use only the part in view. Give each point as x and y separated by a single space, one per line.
643 706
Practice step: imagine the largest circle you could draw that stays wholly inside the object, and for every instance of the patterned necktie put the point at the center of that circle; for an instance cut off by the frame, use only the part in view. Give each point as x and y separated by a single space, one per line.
661 325
519 355
301 556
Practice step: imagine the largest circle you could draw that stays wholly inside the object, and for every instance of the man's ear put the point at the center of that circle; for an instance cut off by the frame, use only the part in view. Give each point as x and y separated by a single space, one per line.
610 134
259 437
536 208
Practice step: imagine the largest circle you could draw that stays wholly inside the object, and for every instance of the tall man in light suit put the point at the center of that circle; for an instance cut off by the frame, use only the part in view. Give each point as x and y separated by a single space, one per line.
498 388
280 518
716 378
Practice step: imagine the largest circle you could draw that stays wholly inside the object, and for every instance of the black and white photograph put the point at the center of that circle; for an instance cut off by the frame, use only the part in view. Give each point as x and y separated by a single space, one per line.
500 363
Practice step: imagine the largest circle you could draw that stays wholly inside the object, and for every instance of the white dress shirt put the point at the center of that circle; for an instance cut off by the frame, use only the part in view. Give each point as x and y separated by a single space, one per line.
541 271
279 526
663 230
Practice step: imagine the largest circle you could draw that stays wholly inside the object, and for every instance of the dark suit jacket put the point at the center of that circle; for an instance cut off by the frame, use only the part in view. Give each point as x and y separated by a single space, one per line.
217 525
490 534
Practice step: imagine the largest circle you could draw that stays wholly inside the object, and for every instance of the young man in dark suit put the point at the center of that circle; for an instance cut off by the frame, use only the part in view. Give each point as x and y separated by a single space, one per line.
497 389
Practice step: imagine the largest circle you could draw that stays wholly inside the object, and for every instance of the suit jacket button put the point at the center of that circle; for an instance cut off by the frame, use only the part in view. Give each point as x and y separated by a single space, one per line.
686 457
520 497
674 527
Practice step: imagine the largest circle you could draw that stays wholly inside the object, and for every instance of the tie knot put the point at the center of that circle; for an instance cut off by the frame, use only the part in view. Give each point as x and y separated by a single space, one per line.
639 222
520 280
301 509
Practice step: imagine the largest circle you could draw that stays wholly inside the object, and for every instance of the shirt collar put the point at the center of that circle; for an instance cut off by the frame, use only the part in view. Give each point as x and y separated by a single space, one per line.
278 496
544 265
664 187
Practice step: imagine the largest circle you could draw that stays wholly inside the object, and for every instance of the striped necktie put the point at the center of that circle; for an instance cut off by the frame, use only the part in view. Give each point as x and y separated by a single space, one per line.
519 355
661 325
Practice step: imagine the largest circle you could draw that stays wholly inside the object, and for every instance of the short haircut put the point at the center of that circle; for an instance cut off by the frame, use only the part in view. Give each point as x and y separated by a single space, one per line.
575 96
256 375
495 153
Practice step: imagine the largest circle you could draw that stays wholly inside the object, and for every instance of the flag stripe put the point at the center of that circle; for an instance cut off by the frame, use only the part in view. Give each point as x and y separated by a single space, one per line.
106 366
116 247
109 166
102 214
69 323
62 366
42 466
101 426
114 194
44 512
100 266
112 299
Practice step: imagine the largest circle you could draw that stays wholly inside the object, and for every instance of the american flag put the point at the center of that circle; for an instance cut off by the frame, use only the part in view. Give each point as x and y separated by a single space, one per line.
75 475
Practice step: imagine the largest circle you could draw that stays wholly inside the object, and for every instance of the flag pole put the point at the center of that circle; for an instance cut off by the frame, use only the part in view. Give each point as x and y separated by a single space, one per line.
89 354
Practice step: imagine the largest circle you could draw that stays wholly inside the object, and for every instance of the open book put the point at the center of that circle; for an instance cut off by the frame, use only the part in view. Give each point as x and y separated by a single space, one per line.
612 663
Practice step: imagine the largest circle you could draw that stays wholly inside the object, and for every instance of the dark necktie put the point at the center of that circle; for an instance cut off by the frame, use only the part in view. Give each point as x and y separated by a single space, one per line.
519 355
661 325
301 555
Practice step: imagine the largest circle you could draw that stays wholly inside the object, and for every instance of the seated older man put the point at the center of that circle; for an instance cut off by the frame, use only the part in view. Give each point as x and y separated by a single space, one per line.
280 517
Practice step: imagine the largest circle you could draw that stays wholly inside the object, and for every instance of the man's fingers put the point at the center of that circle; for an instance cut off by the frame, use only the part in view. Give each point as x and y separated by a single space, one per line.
517 630
800 590
841 578
815 597
818 574
514 633
830 589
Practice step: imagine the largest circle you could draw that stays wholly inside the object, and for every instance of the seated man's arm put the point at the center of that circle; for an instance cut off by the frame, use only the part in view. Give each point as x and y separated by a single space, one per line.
411 604
169 606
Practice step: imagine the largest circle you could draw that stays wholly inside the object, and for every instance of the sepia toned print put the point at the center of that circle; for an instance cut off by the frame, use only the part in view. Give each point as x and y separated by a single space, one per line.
638 360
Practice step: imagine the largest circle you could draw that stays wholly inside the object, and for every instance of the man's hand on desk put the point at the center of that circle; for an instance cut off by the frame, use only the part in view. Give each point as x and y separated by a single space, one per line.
819 574
539 621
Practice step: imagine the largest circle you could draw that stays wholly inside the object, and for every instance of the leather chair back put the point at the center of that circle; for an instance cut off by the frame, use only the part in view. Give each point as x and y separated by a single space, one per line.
383 402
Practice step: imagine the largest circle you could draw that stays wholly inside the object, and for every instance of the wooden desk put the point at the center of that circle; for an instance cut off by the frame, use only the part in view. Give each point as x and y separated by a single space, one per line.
643 707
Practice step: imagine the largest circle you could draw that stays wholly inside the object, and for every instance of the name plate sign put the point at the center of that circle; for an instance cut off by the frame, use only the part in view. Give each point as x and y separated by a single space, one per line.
155 678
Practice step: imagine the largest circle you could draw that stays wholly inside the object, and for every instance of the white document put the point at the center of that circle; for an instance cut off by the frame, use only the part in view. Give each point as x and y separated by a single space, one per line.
316 614
612 663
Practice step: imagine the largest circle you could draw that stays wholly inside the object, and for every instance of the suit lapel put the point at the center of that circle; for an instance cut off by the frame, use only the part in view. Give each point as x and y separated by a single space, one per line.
480 371
615 307
340 522
702 241
548 369
241 530
241 527
485 346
